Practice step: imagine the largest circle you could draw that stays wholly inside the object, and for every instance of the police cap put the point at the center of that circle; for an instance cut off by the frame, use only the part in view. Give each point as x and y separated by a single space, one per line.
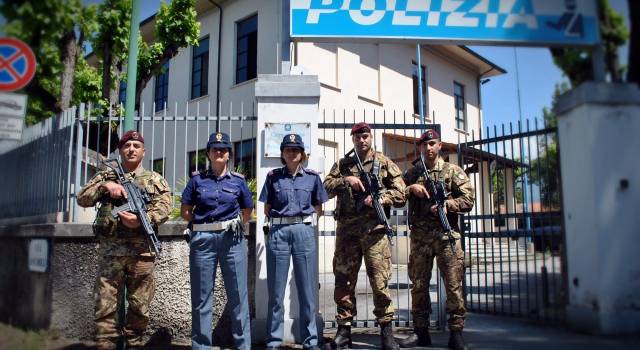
292 140
219 140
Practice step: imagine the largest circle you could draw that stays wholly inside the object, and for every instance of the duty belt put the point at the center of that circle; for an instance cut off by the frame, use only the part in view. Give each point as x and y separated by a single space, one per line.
214 226
292 220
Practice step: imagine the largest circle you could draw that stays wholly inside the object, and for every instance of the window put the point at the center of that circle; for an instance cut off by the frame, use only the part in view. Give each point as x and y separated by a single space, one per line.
197 161
416 99
247 49
200 69
244 157
162 87
158 166
458 96
122 93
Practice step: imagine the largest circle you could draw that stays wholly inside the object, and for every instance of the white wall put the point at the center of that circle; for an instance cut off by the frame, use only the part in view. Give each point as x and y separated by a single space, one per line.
231 94
597 131
379 77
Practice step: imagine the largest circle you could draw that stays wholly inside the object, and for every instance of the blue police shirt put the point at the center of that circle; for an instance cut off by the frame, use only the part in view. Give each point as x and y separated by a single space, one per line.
216 198
293 195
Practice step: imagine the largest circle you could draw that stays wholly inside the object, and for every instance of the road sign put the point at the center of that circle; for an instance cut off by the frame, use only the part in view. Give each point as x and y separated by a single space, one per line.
13 108
519 22
17 64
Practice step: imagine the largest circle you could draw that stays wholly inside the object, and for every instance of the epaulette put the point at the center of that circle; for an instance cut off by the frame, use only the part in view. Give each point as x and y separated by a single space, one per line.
237 174
195 173
311 171
274 171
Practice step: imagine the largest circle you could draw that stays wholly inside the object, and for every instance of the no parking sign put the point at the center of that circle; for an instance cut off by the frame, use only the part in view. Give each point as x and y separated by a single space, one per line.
17 64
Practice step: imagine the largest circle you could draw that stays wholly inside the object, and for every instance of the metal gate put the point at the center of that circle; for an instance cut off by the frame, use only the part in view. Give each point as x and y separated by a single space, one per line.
394 134
515 251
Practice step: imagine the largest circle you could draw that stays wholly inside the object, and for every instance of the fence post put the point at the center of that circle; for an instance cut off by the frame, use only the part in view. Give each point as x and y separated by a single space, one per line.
78 166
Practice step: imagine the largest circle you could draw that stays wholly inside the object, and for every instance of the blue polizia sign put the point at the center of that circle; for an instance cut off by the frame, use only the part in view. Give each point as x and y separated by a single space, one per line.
527 22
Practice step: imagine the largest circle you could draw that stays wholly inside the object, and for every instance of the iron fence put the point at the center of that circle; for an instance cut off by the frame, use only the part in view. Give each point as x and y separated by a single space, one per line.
395 135
515 251
57 156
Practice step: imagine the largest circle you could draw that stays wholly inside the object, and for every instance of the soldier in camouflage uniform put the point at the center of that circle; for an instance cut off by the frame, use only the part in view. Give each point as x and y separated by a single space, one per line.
124 254
359 236
428 241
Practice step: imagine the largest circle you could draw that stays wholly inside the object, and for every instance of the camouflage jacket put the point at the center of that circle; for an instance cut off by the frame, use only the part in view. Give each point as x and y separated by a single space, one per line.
115 238
456 182
390 176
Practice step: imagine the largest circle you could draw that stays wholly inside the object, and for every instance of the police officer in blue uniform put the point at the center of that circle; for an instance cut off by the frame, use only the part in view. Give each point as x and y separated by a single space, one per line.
212 202
292 194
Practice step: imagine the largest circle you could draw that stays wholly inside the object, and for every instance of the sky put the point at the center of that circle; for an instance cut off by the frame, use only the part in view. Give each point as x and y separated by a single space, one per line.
537 74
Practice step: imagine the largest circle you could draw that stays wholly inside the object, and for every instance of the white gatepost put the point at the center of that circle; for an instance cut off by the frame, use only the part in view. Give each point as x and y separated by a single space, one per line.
598 127
284 102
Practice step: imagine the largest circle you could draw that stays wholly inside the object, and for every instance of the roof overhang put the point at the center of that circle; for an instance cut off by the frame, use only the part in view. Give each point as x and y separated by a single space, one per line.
471 60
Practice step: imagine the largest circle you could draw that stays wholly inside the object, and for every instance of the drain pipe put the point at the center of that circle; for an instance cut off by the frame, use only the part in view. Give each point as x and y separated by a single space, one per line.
218 74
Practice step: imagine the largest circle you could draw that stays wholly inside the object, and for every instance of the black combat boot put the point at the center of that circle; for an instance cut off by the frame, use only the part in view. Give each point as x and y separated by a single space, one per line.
342 339
420 337
386 337
455 341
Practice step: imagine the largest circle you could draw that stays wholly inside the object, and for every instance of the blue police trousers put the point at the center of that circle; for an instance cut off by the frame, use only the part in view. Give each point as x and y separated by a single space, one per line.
284 242
207 249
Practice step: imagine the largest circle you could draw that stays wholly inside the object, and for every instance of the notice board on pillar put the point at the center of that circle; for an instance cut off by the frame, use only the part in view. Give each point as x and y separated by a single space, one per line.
275 132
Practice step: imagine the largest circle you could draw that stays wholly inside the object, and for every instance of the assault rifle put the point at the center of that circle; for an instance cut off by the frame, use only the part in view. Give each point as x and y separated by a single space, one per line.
137 200
373 188
439 195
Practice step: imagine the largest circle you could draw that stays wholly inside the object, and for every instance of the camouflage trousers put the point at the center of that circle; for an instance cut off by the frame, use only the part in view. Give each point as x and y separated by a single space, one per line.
425 245
354 241
116 272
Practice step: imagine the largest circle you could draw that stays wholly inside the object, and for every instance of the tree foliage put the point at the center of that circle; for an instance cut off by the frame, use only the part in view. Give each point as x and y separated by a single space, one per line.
577 63
176 27
55 30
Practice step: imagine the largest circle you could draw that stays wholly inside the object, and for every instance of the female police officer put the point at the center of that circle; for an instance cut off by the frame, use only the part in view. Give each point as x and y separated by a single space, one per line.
291 195
212 202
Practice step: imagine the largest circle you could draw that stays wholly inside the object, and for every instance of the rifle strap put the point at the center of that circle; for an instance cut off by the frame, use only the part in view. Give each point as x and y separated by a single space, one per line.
375 169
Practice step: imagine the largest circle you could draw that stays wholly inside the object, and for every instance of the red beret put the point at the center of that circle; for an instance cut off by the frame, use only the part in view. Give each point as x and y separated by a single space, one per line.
360 128
428 135
130 135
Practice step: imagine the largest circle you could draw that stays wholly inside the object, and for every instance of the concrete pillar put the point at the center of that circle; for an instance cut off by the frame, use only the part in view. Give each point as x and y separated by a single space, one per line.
598 127
282 99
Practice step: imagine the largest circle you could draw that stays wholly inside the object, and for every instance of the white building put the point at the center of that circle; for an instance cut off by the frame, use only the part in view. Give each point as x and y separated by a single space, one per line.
353 76
357 80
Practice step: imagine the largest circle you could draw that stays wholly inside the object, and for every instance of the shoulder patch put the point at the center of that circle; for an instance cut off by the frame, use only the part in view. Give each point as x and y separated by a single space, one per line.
237 174
195 173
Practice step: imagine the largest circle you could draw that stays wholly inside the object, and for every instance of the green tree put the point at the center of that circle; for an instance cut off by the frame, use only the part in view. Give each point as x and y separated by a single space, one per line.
545 172
176 27
110 44
577 64
56 31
